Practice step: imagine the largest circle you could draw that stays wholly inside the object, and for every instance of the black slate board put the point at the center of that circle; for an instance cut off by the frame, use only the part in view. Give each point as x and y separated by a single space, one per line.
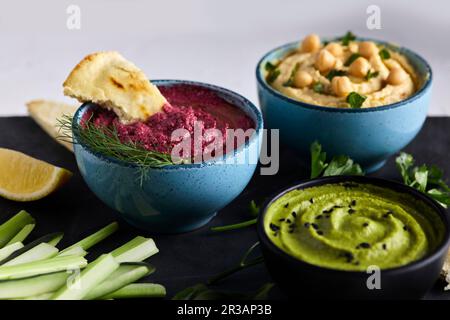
189 258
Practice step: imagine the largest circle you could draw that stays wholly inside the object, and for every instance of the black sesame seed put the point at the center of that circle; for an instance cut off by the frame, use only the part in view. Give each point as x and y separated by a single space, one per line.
384 246
365 224
405 228
319 216
294 214
315 226
351 211
281 220
286 205
356 263
274 227
306 224
328 211
387 214
364 245
311 200
319 232
353 203
291 231
288 221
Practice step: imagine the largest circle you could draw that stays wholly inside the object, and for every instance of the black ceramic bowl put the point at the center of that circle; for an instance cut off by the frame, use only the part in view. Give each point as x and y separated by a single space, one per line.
299 279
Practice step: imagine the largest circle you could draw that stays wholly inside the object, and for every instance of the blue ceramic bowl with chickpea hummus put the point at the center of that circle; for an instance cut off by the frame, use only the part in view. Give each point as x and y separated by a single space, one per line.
174 198
368 135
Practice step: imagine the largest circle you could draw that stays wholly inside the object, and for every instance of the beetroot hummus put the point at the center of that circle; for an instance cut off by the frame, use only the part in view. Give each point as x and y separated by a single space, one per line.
189 107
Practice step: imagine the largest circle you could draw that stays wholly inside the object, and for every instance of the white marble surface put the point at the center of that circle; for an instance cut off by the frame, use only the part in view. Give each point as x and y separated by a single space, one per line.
206 40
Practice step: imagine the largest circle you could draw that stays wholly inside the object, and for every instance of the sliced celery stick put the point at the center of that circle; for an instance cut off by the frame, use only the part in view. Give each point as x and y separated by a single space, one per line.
136 250
22 234
95 238
44 296
75 251
32 286
40 252
48 238
42 267
138 290
89 278
125 274
56 239
9 249
11 227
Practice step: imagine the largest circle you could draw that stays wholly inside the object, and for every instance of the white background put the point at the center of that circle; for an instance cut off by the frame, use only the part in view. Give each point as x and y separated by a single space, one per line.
206 40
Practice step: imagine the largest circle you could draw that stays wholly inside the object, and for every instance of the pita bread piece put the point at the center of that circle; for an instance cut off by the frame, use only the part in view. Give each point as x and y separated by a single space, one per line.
108 79
46 114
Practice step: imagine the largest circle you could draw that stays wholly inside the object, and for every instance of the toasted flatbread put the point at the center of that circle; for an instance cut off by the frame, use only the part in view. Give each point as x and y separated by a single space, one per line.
108 79
46 114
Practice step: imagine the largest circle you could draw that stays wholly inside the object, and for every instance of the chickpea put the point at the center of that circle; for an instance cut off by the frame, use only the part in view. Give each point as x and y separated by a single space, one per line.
335 49
311 43
325 61
367 49
341 86
302 79
396 76
359 67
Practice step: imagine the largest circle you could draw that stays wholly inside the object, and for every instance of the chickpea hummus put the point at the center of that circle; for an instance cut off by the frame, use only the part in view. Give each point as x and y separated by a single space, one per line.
350 226
328 74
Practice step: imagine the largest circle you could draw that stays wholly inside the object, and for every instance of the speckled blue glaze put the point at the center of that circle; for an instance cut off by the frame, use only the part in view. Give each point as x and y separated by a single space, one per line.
176 198
368 135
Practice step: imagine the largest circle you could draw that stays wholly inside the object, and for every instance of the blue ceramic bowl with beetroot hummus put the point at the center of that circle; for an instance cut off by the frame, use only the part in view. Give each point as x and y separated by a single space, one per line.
174 198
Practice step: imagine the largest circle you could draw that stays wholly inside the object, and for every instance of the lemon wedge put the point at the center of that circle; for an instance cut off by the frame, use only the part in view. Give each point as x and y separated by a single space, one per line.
23 178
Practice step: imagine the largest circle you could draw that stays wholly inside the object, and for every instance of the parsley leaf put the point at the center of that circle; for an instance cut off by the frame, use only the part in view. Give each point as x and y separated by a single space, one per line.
371 75
290 81
351 59
349 36
355 100
273 75
428 180
318 159
335 73
339 165
270 66
342 165
318 87
384 54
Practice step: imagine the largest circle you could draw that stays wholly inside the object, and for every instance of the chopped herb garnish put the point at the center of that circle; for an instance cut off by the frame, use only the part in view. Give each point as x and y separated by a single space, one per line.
349 36
351 59
384 54
355 100
290 81
270 66
371 75
318 87
335 73
273 75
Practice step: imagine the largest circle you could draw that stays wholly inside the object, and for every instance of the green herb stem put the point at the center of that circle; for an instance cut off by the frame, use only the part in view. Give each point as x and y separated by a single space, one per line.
235 226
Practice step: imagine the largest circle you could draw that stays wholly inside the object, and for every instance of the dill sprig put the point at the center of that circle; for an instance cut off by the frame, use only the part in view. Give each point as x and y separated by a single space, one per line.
106 141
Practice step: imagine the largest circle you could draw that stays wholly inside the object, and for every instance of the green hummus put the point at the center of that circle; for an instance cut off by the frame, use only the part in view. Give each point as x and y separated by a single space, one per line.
351 226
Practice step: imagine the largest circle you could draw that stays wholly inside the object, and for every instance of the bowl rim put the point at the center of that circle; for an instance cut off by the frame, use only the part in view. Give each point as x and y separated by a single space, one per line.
256 112
425 86
440 250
